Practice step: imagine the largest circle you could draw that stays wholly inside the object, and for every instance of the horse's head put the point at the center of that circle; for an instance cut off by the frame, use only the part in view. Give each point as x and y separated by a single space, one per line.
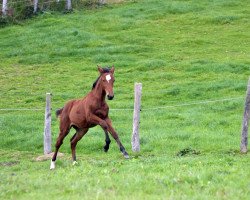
107 80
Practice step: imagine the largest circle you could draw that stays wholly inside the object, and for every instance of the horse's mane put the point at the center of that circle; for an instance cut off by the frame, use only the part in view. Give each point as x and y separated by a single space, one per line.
105 70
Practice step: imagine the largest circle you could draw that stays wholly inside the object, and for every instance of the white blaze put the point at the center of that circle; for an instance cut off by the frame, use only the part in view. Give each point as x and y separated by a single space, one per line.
108 78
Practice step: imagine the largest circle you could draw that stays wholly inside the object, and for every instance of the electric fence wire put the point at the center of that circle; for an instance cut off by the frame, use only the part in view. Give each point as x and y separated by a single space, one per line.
31 2
144 109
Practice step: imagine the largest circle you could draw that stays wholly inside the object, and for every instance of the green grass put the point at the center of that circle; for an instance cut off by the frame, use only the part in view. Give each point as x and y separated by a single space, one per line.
182 52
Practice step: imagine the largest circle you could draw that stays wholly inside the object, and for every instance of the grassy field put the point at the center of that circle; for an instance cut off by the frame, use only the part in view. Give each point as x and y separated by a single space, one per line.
186 54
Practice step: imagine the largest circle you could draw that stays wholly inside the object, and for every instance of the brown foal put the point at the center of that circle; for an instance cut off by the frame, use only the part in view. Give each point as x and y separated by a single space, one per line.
88 112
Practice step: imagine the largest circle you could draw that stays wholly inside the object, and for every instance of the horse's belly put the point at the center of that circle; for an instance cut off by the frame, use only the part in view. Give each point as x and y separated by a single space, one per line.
78 118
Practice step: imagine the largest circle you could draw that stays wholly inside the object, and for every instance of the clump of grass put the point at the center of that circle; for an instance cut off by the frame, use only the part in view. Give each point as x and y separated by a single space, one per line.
188 151
224 19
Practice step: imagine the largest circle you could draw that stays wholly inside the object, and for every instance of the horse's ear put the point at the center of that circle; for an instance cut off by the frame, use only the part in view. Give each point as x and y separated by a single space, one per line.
112 69
100 69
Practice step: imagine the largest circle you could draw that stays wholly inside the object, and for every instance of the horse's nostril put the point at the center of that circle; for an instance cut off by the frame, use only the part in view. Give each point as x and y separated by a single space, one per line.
110 97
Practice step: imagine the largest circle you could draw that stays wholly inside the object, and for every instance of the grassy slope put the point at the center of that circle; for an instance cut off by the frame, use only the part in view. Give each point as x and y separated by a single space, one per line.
182 51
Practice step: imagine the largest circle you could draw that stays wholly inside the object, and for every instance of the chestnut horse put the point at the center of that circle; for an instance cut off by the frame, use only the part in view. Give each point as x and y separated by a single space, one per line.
88 112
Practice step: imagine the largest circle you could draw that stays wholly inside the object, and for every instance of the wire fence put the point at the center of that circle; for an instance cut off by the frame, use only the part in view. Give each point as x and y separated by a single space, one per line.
183 104
126 124
47 2
20 109
14 10
23 3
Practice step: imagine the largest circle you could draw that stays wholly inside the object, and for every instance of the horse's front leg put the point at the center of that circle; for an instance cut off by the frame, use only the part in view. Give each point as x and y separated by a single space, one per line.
94 119
107 140
107 126
116 137
98 121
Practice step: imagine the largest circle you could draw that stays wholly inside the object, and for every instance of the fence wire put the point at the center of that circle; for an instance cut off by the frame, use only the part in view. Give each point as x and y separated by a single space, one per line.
42 2
143 109
192 103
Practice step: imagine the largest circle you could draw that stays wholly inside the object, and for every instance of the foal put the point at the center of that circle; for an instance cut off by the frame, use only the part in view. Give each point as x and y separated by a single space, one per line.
88 112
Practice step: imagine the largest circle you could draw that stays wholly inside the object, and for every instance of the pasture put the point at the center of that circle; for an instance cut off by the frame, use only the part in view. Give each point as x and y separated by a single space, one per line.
192 58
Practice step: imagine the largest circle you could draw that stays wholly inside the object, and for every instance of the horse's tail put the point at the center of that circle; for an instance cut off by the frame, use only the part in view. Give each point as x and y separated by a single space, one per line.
58 112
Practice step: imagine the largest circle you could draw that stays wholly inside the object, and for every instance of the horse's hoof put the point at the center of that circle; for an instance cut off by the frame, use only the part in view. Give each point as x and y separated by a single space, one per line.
105 149
126 156
74 163
52 165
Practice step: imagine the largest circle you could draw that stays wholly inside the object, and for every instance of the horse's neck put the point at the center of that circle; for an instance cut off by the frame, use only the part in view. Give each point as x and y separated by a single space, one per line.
98 93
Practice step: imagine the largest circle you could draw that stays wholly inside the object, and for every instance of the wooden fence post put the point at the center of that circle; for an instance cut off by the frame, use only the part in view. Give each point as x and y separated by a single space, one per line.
102 1
136 119
244 134
35 5
68 5
5 7
47 125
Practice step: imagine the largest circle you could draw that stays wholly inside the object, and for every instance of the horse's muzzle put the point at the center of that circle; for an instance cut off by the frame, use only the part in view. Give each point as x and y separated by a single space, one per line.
110 97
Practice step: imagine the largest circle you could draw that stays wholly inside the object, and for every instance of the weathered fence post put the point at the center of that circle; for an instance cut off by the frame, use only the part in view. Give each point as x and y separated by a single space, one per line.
47 125
244 134
136 119
5 7
68 5
102 1
35 6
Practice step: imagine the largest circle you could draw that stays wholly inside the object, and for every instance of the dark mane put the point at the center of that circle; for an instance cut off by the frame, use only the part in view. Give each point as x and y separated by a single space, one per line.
105 70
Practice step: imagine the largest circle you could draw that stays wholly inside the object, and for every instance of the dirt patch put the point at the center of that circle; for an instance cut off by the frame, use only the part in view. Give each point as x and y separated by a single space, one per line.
9 164
48 156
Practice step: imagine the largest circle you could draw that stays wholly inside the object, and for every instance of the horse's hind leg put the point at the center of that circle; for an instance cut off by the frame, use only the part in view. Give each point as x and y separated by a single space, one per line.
78 135
63 133
73 137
